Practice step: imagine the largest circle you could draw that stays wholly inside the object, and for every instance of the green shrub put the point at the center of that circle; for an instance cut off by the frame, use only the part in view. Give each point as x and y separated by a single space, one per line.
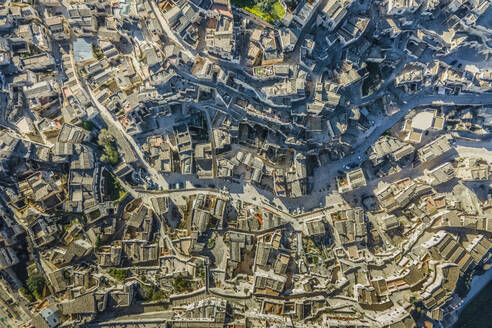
107 141
152 293
26 294
181 284
87 125
35 284
269 10
119 274
157 295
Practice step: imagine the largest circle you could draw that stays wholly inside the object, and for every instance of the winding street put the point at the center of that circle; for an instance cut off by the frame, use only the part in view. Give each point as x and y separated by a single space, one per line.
325 173
116 126
167 30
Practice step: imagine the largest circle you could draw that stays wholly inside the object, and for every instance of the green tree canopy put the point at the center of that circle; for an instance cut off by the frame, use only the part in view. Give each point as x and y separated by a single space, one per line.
266 5
104 138
35 284
181 284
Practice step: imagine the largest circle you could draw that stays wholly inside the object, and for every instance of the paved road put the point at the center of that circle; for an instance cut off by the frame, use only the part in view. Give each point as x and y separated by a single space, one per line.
230 90
474 149
167 29
113 122
326 173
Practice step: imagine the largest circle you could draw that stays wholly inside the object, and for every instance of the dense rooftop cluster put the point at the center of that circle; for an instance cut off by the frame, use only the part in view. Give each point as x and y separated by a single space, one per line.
216 163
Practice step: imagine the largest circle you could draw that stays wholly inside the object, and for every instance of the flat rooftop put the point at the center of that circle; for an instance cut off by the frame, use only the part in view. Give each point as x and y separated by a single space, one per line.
423 120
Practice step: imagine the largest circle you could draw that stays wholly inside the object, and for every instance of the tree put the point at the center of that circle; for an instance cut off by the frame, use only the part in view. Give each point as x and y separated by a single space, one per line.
111 154
96 50
157 295
266 5
147 292
152 293
104 158
35 284
104 138
88 125
181 284
119 274
26 294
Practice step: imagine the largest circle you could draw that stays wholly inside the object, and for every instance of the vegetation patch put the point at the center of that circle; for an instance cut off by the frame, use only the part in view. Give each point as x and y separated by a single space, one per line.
114 189
107 142
97 51
26 294
35 286
119 274
181 284
88 125
268 10
152 293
